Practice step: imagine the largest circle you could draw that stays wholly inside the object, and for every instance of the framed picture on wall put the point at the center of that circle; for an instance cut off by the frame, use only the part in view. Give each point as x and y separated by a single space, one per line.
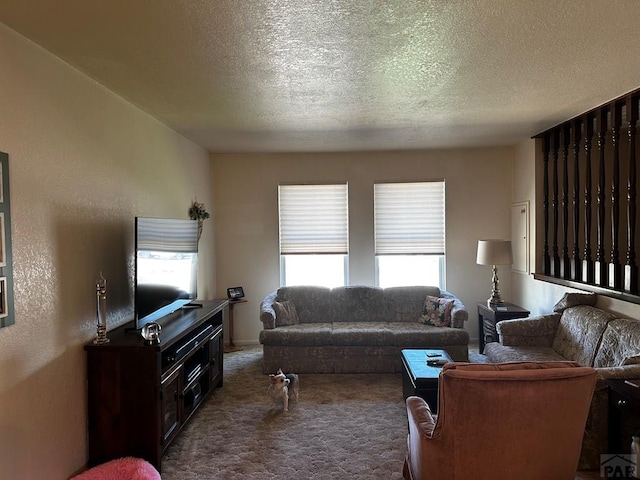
3 242
7 315
4 306
1 184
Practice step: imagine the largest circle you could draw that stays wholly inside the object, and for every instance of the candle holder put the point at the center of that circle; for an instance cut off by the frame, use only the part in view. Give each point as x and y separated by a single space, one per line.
101 311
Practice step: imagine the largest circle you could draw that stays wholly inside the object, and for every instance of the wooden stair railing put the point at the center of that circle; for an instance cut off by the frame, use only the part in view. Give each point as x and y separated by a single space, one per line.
576 250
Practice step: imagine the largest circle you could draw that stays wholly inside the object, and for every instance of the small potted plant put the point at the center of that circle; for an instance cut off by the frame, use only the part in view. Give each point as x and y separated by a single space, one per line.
198 212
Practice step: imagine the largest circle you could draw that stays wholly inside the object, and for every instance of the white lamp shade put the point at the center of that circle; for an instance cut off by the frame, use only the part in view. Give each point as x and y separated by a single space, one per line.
494 252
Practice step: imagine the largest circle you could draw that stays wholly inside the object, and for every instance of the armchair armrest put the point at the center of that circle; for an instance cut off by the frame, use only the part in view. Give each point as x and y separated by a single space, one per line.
267 313
420 416
623 373
459 313
535 331
421 427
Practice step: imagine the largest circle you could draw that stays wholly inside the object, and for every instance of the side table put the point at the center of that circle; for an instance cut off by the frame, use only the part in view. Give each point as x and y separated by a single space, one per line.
624 414
490 315
231 347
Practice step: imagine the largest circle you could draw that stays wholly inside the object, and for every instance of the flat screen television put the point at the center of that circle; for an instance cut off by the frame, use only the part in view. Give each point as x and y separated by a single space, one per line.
166 267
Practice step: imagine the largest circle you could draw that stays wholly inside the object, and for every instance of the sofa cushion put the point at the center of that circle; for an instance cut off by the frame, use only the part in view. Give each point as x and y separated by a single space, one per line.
360 333
537 331
313 303
404 304
286 313
498 353
573 299
579 333
620 344
436 311
357 304
299 334
419 335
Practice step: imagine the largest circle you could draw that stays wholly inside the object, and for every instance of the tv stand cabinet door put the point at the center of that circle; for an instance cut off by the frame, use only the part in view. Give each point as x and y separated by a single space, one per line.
216 349
171 405
124 411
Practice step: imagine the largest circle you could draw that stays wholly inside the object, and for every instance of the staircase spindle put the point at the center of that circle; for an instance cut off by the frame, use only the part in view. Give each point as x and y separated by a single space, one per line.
555 151
546 259
576 263
631 269
601 264
615 269
588 267
565 266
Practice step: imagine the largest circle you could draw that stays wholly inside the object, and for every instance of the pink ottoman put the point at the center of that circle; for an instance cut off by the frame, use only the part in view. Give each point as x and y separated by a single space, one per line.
127 468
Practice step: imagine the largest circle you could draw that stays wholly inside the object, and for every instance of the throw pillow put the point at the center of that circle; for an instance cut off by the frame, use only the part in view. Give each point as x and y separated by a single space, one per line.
437 311
572 299
286 313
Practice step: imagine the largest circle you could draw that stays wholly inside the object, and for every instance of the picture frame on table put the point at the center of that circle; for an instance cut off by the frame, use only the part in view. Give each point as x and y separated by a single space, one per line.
235 293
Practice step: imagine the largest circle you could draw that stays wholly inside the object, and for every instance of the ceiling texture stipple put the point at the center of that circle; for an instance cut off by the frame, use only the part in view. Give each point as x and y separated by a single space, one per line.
343 75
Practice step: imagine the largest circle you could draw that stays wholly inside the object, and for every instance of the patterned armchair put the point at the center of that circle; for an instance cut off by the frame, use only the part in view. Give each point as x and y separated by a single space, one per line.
576 331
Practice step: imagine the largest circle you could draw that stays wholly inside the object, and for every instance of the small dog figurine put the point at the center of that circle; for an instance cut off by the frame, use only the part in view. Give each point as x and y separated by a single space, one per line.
280 387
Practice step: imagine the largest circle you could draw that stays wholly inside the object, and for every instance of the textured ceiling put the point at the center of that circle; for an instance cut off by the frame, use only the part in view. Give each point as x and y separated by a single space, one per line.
327 75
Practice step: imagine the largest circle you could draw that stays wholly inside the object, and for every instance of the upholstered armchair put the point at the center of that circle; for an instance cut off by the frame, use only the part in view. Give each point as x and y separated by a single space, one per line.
521 420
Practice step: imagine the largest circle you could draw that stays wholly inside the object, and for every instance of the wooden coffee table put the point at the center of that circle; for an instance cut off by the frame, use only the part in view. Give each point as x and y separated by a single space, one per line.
419 378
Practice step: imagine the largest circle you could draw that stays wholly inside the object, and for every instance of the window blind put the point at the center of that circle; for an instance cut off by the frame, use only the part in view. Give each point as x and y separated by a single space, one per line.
313 219
166 235
409 218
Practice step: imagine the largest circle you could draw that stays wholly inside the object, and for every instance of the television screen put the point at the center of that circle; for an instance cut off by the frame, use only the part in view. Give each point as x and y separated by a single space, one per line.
166 267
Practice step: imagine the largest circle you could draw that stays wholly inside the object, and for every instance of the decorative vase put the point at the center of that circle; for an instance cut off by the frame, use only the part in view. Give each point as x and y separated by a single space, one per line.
101 311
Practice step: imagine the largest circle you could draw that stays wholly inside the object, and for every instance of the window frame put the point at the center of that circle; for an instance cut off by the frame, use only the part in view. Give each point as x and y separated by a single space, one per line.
335 196
405 248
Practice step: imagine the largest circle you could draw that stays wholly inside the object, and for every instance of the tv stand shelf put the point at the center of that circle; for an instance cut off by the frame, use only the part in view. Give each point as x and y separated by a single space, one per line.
140 396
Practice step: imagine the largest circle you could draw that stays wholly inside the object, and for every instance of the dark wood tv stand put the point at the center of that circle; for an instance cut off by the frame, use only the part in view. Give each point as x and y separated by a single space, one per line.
140 396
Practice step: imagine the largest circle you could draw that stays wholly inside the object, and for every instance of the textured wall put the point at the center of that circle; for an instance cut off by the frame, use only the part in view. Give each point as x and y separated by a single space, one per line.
478 199
83 163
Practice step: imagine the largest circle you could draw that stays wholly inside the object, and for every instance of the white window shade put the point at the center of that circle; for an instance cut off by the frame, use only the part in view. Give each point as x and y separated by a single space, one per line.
409 218
313 219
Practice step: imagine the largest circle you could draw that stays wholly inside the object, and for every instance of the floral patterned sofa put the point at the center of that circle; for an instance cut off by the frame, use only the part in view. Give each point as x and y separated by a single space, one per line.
580 332
357 329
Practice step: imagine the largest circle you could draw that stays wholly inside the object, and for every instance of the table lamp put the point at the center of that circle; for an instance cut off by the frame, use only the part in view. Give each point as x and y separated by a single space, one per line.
494 252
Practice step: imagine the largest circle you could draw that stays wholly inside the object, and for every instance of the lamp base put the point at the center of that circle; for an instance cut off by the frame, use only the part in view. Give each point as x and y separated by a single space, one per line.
495 298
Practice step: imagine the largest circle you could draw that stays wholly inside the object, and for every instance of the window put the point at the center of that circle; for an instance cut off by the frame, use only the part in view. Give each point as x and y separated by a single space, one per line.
313 234
409 233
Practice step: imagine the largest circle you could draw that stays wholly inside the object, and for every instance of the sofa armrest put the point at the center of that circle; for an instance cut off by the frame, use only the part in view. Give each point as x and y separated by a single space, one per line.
459 313
267 313
625 372
537 331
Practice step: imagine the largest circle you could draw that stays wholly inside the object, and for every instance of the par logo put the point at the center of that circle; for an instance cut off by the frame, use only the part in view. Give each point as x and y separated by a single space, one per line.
617 466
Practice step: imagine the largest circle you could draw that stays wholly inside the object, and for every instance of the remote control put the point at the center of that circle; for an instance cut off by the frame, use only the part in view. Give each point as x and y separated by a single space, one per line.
439 362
